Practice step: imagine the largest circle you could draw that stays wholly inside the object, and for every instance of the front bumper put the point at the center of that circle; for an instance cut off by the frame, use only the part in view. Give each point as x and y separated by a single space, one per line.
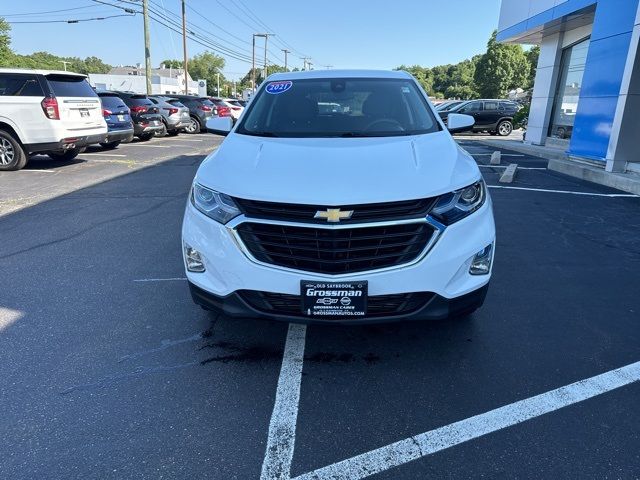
443 270
437 307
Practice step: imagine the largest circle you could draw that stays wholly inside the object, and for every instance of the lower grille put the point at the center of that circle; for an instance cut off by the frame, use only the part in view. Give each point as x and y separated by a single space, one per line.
377 306
335 251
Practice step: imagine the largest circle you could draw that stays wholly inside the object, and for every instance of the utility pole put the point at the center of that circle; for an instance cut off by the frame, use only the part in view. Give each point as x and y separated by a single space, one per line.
253 58
65 64
184 47
328 67
305 62
218 84
253 65
147 46
266 38
286 52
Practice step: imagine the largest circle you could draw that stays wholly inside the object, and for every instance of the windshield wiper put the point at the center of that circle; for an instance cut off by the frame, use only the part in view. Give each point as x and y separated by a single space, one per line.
374 134
258 134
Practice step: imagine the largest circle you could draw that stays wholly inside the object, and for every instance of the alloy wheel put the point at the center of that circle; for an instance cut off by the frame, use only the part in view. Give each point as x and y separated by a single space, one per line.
191 128
505 129
7 153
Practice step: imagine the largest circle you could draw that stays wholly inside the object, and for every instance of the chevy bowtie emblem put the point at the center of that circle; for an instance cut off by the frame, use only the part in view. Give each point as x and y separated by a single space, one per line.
334 215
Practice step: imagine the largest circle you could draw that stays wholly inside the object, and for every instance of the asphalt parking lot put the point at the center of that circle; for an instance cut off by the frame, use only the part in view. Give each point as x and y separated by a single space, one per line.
109 371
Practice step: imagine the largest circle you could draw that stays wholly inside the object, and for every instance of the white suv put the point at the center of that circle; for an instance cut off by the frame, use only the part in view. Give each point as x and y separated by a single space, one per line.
365 213
51 112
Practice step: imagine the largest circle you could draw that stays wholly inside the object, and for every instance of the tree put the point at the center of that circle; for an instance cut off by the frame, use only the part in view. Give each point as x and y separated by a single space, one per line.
172 63
422 74
207 66
95 65
502 68
6 53
532 55
246 80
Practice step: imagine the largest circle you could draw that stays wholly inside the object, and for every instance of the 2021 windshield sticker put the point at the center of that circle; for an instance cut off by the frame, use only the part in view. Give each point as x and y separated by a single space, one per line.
274 88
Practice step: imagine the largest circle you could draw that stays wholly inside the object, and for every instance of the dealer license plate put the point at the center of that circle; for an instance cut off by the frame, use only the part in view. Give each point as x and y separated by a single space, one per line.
84 113
340 299
121 118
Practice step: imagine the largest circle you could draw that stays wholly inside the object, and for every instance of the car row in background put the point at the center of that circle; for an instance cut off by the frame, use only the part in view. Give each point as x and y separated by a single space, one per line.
59 114
491 115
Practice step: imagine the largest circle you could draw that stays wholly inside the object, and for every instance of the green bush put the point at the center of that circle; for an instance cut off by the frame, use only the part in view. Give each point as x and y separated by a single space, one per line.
521 117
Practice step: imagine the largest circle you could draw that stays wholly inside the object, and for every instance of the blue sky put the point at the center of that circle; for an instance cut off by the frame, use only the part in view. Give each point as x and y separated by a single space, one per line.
341 33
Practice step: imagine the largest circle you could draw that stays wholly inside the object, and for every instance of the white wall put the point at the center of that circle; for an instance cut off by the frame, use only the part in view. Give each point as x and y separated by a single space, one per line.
513 12
137 83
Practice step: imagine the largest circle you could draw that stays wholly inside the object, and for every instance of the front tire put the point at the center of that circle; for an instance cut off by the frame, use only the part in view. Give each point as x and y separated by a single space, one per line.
67 155
193 127
505 128
12 155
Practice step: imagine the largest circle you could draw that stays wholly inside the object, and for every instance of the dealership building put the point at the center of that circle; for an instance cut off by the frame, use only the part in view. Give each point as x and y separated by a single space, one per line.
586 97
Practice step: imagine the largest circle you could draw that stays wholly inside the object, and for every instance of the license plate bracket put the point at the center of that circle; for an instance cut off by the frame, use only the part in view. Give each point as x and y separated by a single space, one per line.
334 299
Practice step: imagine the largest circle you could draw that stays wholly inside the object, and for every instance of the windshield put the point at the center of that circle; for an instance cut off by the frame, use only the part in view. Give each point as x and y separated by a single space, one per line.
352 107
450 106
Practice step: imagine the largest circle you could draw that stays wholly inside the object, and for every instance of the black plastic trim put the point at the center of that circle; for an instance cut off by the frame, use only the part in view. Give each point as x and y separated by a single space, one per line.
437 308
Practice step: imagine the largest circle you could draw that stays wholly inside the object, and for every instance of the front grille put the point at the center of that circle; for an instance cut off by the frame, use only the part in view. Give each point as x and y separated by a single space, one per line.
335 251
377 306
369 212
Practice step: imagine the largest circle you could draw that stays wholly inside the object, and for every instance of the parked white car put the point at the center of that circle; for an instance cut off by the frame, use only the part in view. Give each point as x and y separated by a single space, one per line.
369 213
236 107
51 112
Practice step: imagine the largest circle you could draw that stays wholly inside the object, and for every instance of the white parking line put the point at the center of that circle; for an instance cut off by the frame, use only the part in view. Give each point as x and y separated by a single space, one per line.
174 279
36 170
282 427
502 154
185 140
103 154
611 195
150 146
418 446
506 166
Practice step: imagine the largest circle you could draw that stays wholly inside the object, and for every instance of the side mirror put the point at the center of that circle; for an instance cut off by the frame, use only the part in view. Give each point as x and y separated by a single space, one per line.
220 125
457 123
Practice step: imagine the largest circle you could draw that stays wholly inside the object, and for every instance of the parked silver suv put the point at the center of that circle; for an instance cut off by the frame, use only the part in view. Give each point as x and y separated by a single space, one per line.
175 116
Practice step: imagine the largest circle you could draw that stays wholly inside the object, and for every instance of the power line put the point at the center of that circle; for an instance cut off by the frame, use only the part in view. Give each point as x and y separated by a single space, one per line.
75 20
278 39
45 12
212 44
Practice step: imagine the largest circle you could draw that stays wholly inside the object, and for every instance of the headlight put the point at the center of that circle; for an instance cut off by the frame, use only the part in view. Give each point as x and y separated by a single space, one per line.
458 204
213 204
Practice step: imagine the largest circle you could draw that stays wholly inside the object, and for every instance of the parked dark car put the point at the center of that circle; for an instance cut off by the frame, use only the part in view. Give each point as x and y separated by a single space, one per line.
146 119
493 116
200 110
118 118
446 106
175 116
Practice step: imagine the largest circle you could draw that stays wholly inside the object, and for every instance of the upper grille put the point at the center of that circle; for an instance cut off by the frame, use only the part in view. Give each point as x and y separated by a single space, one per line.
368 212
377 305
335 250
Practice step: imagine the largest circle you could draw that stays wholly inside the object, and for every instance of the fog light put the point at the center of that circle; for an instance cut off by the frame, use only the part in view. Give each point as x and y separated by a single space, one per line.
193 259
481 263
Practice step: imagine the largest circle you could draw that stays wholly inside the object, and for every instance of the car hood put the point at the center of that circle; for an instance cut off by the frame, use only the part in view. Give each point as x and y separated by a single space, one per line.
337 171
